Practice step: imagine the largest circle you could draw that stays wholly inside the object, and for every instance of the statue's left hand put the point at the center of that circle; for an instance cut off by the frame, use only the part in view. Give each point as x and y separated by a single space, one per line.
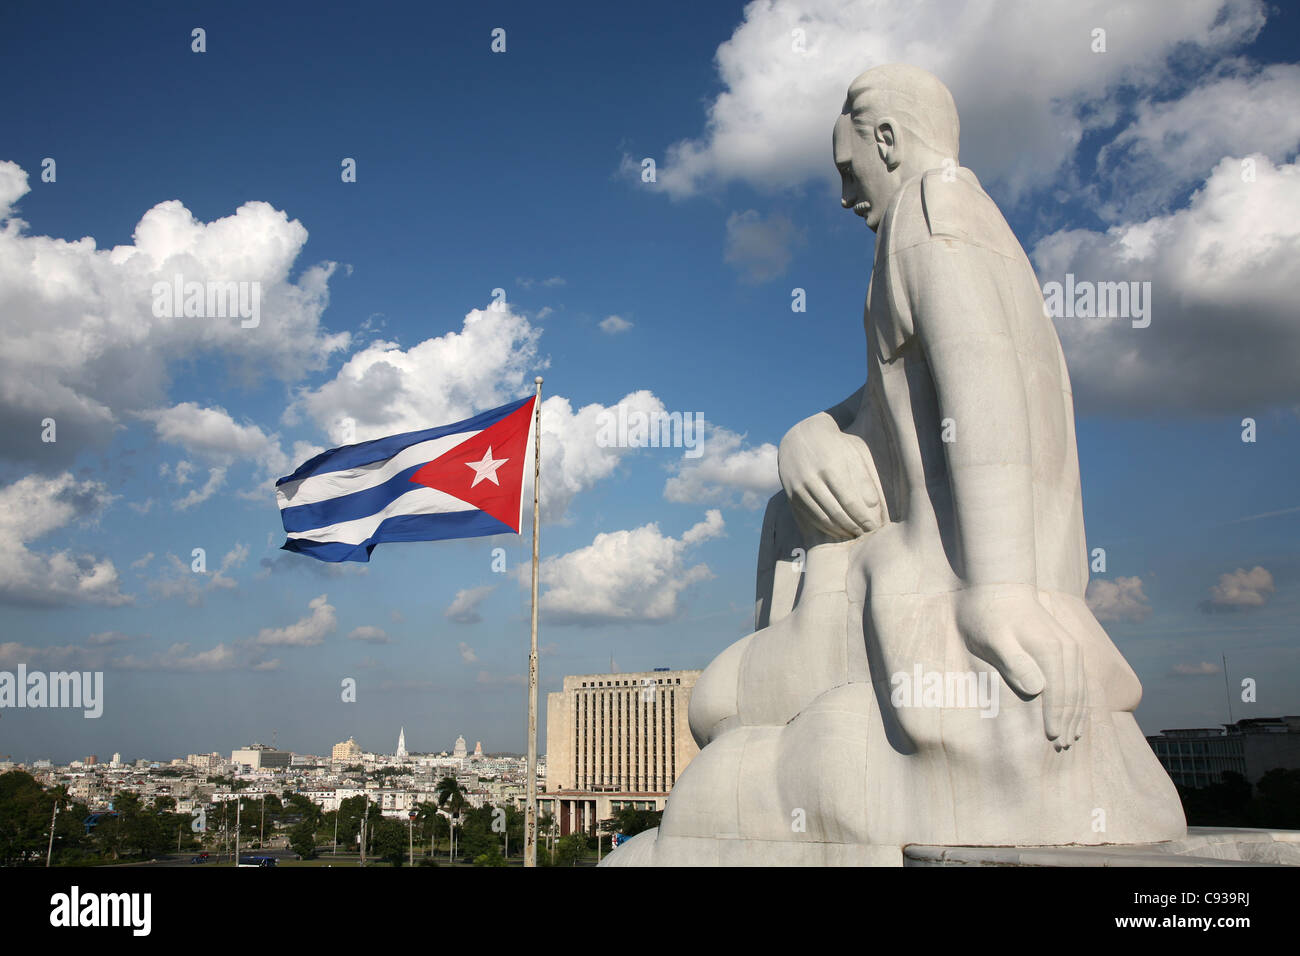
830 479
1006 626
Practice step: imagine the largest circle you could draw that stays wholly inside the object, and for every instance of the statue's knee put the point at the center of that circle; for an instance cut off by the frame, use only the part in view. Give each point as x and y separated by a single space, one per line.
715 704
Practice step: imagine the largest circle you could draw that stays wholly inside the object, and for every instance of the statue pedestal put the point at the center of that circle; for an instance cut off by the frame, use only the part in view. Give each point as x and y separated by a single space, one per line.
1203 846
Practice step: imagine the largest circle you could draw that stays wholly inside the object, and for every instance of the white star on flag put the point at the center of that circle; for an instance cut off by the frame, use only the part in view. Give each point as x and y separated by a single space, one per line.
487 468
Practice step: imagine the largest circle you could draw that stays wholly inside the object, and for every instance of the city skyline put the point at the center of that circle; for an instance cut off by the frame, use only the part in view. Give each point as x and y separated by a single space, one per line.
322 753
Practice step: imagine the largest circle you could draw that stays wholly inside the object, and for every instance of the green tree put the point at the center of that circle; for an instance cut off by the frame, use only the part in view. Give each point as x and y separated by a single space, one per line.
109 836
302 838
569 850
127 802
476 834
297 803
391 841
142 832
1222 804
249 817
25 814
630 822
1277 803
515 828
71 845
349 814
427 823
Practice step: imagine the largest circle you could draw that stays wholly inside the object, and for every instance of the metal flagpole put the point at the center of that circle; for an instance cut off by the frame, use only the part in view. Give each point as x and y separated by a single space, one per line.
530 814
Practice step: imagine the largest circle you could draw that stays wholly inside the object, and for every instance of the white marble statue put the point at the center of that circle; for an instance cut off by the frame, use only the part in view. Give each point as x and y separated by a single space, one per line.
925 669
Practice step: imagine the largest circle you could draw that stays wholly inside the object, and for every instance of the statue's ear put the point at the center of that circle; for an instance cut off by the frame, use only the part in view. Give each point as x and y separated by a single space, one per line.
887 142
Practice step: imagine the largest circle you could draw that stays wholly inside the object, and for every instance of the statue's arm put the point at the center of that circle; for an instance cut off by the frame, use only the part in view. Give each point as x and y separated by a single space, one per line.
972 356
828 475
969 345
782 545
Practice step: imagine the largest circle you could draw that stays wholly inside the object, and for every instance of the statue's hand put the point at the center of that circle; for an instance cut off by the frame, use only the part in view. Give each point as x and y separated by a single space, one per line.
829 479
1006 626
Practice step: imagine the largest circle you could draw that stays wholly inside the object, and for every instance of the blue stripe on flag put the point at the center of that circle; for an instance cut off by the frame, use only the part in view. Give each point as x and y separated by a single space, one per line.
381 449
359 504
455 524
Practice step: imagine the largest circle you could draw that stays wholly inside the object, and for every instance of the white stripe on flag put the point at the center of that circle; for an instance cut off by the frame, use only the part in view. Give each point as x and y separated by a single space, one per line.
421 500
333 484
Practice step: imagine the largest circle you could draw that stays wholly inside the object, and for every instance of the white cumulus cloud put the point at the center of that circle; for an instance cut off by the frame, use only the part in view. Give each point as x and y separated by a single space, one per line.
613 324
83 345
464 606
727 472
1023 73
34 506
1119 600
305 632
1223 335
1240 590
625 576
1203 669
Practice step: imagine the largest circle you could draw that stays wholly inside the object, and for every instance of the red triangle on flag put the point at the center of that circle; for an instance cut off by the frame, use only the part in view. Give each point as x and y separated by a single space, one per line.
486 471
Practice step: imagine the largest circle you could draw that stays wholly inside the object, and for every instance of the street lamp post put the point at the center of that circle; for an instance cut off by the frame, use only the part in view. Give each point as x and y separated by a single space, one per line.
365 812
50 852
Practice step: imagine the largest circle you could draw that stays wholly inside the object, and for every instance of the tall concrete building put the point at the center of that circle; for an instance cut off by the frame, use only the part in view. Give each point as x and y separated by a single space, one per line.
401 743
615 741
346 752
261 757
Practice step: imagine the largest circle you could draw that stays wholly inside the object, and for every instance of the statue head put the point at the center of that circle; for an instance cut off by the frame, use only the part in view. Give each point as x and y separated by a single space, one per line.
898 122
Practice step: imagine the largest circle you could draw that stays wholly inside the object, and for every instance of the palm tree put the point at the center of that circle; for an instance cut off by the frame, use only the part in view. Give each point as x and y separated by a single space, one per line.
426 815
451 796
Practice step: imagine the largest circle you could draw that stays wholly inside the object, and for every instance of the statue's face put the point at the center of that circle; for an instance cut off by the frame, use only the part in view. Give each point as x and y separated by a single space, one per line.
867 185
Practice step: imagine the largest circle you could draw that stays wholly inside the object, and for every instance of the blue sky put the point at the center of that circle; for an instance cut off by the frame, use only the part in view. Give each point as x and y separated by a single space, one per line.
520 171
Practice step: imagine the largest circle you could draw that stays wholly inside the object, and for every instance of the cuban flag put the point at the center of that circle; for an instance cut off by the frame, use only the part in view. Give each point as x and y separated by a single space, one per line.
454 481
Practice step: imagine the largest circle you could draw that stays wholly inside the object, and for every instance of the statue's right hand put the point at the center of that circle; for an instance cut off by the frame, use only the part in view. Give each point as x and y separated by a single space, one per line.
829 479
